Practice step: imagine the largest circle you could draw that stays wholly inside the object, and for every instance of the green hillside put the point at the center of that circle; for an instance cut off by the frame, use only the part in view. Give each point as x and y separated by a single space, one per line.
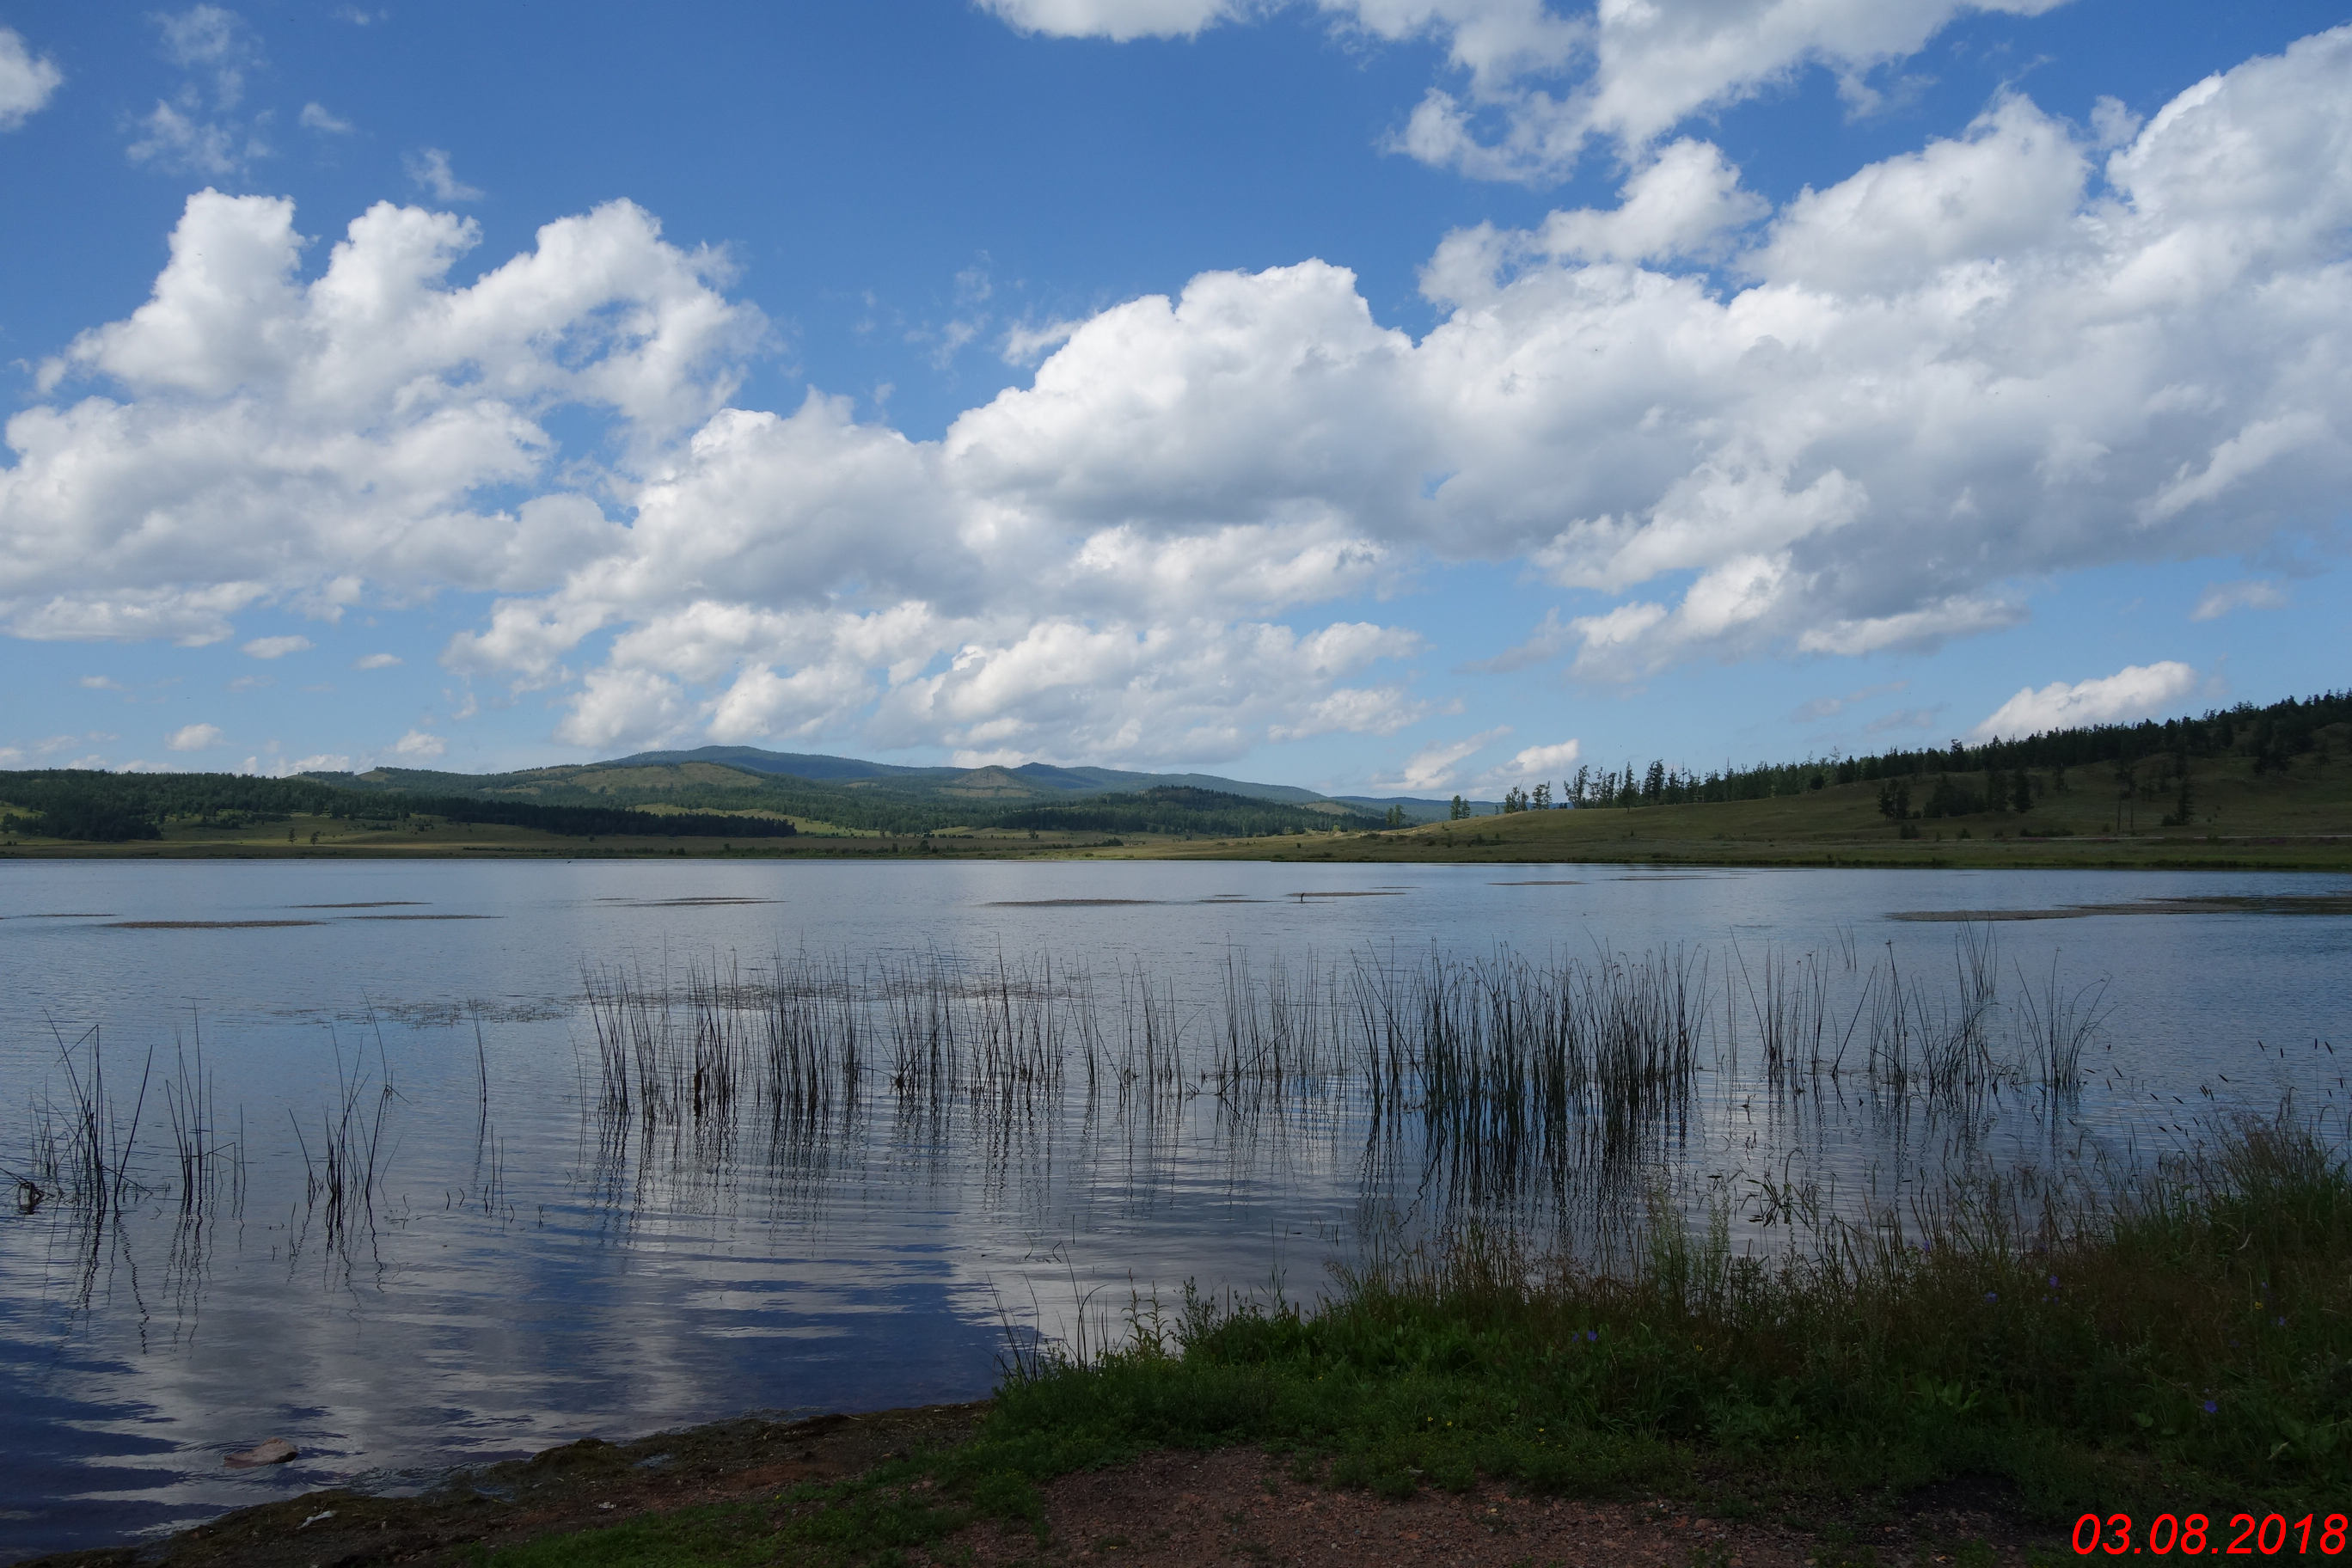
903 802
2243 788
652 801
83 805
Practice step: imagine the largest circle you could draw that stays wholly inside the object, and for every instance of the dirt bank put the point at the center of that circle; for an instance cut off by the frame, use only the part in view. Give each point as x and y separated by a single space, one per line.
1233 1505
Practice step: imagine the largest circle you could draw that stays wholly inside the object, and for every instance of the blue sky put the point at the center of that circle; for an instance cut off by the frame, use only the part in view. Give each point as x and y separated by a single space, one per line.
1373 394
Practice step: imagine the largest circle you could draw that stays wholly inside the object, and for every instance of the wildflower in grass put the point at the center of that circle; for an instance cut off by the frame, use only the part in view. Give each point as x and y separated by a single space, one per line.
1992 1295
2211 1407
2054 1282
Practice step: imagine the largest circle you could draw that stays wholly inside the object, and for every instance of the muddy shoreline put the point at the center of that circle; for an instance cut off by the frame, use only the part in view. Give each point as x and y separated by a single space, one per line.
1166 1507
574 1486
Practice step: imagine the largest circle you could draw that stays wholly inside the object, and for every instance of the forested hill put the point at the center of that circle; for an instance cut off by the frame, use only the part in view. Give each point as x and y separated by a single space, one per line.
1178 809
718 792
1041 779
700 800
2271 737
107 807
903 802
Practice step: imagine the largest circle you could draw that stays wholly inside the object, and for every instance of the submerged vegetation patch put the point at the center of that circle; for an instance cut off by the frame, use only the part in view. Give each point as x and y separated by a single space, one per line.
2207 904
434 917
1065 903
205 925
711 900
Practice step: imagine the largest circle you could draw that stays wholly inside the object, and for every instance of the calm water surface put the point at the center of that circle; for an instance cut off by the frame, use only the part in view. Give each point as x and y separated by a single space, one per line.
523 1276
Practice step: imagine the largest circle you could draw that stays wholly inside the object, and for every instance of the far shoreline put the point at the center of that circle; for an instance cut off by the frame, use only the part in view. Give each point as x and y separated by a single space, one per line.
1488 844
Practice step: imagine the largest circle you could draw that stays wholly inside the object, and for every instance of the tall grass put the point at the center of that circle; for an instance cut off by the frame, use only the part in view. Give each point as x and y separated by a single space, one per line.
2189 1328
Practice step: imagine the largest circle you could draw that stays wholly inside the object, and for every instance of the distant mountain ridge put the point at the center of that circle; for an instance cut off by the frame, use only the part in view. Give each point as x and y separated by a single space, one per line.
799 765
1037 775
825 793
1040 776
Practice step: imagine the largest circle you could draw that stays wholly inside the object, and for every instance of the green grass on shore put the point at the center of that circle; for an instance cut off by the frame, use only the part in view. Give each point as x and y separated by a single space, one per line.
2184 1346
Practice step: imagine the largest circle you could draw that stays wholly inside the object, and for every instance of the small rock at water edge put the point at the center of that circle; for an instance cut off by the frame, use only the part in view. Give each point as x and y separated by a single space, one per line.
272 1451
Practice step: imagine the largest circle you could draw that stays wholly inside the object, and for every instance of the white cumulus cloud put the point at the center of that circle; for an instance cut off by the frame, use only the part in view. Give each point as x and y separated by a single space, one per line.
1432 768
272 439
2135 691
28 80
1120 19
195 737
1532 83
1536 762
418 746
1961 372
278 647
1531 766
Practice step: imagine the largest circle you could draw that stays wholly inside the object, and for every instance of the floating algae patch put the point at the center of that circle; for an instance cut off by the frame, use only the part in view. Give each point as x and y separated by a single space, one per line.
2213 904
446 1015
1569 882
713 899
205 925
423 917
1355 894
369 904
1064 903
1697 876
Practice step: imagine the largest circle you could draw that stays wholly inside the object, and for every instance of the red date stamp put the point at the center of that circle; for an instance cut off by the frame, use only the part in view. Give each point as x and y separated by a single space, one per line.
2195 1535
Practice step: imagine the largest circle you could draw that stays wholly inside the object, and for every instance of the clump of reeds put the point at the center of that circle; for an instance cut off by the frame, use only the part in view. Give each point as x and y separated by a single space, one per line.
343 1175
1536 1059
1506 1076
209 1162
82 1152
1908 1037
2058 1026
1522 1066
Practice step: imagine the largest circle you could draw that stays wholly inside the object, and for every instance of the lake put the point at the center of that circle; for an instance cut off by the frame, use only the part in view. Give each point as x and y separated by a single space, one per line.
485 1157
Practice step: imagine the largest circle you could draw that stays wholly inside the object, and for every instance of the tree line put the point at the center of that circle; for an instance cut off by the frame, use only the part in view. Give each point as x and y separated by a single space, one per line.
1181 808
1926 781
117 807
880 808
105 807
